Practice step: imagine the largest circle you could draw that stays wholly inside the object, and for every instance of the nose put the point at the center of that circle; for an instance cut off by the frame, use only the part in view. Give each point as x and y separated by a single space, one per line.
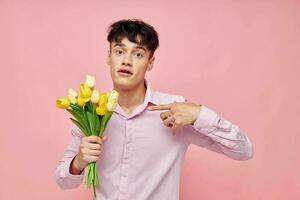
127 60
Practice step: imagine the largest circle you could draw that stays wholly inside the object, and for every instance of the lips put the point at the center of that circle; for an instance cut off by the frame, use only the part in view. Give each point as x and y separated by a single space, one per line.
125 71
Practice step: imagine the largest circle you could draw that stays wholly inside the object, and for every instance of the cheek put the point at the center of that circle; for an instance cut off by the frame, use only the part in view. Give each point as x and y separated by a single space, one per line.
114 65
115 60
141 70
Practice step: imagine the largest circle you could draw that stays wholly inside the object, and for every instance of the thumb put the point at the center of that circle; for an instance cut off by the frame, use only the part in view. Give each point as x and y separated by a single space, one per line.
174 127
104 138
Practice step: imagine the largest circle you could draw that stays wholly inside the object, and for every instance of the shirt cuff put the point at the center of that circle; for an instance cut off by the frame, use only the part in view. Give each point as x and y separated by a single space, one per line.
205 123
72 176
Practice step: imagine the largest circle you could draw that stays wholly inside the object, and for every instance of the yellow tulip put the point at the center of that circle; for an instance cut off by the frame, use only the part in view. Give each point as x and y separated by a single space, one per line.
112 100
63 103
102 108
85 93
101 111
103 99
80 101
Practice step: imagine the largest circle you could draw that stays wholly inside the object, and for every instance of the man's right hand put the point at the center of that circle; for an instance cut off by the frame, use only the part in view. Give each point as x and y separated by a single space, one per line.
89 151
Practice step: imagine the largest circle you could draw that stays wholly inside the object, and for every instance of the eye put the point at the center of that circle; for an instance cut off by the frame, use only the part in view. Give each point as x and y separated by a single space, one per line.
119 51
139 55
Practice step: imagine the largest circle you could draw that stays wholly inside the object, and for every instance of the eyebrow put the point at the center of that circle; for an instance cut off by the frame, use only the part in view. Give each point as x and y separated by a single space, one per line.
123 45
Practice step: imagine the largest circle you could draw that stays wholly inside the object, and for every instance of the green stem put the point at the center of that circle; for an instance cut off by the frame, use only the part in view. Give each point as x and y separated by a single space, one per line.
94 179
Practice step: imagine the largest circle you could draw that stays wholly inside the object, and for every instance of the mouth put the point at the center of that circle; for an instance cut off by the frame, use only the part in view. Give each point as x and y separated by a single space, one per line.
125 72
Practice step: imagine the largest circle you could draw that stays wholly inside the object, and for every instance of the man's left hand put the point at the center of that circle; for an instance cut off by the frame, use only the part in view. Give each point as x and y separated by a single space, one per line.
178 114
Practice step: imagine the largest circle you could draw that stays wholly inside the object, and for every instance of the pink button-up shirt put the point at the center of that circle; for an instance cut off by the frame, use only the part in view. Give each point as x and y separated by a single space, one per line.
142 159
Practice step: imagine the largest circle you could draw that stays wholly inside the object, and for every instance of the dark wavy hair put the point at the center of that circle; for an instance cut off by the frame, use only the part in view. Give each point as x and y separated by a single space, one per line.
132 28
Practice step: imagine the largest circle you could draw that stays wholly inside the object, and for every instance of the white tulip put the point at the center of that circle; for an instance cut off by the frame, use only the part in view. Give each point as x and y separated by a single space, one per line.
72 92
90 81
72 99
111 107
112 100
95 96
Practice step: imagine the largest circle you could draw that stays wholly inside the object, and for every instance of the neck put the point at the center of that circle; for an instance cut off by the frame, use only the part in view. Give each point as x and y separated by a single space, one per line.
129 99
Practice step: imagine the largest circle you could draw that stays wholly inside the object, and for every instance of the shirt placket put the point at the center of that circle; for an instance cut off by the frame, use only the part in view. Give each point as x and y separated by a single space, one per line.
125 160
125 163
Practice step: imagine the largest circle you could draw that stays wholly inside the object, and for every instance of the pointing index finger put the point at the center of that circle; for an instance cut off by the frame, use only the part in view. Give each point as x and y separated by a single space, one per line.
160 107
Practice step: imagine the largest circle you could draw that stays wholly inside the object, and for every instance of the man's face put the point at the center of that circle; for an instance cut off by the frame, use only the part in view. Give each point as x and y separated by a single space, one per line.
128 63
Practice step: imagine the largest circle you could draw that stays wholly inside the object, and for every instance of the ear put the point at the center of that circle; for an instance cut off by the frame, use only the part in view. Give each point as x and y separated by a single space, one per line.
108 58
150 65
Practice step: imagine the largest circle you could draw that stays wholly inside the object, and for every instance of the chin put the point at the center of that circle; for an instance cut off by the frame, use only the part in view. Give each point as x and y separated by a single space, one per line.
123 84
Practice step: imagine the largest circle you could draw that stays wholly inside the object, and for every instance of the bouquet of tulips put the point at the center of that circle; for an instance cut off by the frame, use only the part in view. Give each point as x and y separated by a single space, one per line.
91 112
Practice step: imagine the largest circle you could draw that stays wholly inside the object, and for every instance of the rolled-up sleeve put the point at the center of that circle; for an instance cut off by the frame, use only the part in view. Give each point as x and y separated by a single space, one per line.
213 132
63 178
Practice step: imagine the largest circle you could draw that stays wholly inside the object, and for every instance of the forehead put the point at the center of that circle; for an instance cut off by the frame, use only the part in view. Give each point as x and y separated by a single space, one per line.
125 43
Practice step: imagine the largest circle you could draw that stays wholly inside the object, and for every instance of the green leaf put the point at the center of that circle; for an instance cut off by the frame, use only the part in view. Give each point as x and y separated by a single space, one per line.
90 107
91 121
79 117
96 122
104 122
97 125
75 114
79 126
76 108
87 121
108 116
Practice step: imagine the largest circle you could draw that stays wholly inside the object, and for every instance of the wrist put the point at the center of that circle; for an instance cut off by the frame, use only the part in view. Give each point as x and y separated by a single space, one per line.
75 167
197 113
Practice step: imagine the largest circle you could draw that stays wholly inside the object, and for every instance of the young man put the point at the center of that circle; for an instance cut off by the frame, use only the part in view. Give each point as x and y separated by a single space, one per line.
141 154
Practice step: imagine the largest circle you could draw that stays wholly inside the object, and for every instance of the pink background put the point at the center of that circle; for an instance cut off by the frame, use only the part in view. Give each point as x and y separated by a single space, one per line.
240 58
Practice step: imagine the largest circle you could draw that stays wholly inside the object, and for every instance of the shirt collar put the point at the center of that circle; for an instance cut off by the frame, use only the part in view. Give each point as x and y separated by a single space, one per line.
150 95
149 98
